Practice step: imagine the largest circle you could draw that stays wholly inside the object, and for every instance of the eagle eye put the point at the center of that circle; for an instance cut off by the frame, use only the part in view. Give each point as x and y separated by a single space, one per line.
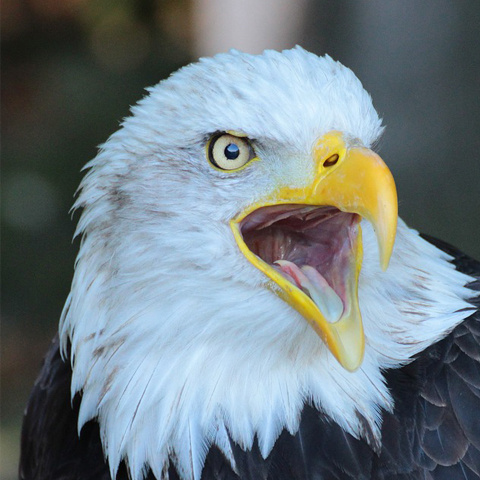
228 152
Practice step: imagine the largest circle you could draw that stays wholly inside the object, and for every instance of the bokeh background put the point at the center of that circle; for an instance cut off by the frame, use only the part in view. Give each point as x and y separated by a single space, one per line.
72 68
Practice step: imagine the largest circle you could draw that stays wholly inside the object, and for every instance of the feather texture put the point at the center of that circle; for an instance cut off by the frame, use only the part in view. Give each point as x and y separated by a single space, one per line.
433 431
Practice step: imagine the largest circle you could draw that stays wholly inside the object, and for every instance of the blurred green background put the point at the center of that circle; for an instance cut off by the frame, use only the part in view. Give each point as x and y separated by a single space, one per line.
72 68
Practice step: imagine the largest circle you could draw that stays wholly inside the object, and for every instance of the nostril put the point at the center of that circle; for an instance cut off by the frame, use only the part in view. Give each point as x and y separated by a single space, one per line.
330 161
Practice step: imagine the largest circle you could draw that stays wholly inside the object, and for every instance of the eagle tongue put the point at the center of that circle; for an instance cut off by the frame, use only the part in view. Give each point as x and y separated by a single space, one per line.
314 284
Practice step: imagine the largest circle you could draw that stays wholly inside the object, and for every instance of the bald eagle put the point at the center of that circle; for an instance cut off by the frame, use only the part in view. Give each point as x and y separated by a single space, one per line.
246 304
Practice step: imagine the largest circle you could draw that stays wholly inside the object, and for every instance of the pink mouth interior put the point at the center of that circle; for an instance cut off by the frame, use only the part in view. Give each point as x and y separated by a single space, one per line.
302 236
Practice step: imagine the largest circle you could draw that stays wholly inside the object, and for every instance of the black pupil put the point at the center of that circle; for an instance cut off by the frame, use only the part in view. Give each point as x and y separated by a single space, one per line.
232 151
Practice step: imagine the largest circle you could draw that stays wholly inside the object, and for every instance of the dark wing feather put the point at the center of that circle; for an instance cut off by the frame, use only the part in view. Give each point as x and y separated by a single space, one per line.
451 393
51 449
433 433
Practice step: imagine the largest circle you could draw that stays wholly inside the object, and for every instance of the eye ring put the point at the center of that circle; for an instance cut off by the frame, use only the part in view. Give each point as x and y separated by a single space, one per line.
228 152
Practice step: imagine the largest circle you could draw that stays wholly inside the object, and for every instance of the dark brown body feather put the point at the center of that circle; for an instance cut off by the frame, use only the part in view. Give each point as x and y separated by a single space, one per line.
433 433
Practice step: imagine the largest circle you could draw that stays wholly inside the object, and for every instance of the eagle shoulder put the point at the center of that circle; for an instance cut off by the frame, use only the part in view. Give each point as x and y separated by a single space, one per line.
51 448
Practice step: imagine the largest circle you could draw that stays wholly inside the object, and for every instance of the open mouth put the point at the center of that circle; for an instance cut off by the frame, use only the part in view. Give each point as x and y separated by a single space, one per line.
313 247
307 239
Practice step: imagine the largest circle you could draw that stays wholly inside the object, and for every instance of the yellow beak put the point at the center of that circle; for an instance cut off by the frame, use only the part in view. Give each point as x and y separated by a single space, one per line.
355 180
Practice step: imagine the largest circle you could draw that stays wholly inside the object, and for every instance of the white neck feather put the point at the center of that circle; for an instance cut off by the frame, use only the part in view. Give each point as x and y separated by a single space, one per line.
170 361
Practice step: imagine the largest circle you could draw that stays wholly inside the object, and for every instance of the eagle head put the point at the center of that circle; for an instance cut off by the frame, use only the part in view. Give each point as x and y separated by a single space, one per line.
240 259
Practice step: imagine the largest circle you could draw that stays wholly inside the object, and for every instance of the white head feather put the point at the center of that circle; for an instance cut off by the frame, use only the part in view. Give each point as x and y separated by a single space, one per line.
175 340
